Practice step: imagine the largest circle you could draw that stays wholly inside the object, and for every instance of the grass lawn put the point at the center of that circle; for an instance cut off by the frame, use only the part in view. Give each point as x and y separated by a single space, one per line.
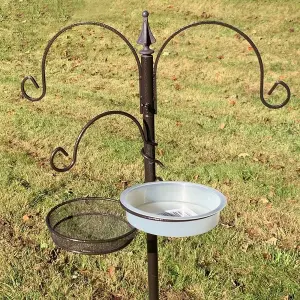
211 128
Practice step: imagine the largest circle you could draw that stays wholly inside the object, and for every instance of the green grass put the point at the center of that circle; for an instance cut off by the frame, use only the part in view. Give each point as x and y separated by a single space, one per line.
254 160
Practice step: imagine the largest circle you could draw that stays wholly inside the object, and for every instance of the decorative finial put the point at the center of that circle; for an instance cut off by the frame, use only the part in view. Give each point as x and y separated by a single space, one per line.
145 14
146 37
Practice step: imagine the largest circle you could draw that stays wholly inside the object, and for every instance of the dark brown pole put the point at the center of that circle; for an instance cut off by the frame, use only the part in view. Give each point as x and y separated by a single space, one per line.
147 109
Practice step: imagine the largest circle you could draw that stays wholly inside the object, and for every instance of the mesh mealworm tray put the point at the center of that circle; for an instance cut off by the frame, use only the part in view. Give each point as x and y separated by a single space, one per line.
90 226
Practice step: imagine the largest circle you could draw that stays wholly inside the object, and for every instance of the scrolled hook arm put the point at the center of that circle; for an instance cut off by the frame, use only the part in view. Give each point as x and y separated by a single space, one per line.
32 79
270 92
92 121
247 38
65 153
46 51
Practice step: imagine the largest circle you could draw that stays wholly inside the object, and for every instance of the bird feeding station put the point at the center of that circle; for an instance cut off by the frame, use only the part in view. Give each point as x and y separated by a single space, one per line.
166 208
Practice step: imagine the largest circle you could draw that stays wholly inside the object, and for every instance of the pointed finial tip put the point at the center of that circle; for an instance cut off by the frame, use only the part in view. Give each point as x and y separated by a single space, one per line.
146 37
145 14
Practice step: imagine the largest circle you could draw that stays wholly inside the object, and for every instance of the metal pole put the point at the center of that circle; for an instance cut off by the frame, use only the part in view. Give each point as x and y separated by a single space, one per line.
152 267
147 109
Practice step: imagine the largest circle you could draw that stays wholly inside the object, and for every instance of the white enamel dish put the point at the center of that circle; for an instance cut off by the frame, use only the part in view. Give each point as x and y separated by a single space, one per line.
173 208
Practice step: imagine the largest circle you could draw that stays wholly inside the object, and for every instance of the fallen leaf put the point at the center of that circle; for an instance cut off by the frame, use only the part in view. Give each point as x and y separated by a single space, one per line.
232 102
269 205
26 218
222 126
250 48
221 57
267 256
174 78
292 201
178 123
177 87
292 30
237 36
170 6
205 15
252 232
196 177
111 271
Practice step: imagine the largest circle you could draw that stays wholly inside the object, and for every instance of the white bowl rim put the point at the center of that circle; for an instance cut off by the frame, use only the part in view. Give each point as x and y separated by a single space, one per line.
140 213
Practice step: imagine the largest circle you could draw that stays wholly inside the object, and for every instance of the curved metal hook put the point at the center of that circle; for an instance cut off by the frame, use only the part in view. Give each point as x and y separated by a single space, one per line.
92 121
261 66
32 79
152 161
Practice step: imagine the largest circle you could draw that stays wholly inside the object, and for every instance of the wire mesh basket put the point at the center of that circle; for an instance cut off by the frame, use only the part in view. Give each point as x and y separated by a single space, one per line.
90 225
